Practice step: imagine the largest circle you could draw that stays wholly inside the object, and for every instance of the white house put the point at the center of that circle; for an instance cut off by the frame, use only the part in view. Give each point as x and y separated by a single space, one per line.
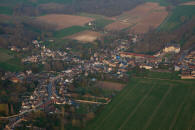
175 48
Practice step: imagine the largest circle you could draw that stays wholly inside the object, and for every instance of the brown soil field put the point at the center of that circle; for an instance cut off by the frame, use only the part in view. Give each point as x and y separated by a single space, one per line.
189 3
110 85
85 36
140 19
61 21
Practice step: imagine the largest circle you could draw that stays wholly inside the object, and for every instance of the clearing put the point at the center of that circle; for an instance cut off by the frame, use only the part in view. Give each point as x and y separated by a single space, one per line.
61 21
85 36
110 85
140 19
149 103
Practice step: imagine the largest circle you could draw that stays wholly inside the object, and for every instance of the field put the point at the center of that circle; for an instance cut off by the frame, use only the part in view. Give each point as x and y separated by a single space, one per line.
61 21
85 36
149 103
8 61
6 10
179 15
141 19
69 31
110 85
4 56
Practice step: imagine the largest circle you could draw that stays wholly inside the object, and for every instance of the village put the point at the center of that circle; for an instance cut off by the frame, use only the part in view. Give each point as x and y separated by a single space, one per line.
53 87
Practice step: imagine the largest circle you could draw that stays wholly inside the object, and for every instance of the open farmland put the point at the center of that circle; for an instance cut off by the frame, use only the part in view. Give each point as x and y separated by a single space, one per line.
150 103
140 19
61 21
110 85
85 36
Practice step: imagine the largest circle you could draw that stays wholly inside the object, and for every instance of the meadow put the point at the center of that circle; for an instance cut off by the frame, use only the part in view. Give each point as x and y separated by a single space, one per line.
149 103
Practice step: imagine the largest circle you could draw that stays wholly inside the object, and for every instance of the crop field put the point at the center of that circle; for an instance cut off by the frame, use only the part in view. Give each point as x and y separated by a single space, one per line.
141 19
179 15
61 21
85 36
147 103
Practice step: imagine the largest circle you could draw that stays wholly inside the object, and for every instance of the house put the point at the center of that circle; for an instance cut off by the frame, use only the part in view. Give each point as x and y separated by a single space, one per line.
187 75
15 80
134 55
14 48
90 24
177 68
147 67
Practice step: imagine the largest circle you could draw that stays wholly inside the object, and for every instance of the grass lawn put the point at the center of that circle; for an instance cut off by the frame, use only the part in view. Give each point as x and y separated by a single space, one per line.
178 16
149 104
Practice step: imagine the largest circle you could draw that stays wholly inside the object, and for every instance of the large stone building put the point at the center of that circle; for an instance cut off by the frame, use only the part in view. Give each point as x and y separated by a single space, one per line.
172 48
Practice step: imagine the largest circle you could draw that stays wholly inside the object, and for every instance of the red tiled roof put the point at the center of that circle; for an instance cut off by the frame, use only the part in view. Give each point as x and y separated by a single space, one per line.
192 66
134 54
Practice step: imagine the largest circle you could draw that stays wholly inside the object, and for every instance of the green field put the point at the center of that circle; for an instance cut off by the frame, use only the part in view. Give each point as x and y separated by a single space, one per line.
8 61
101 23
178 16
69 31
151 104
6 10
